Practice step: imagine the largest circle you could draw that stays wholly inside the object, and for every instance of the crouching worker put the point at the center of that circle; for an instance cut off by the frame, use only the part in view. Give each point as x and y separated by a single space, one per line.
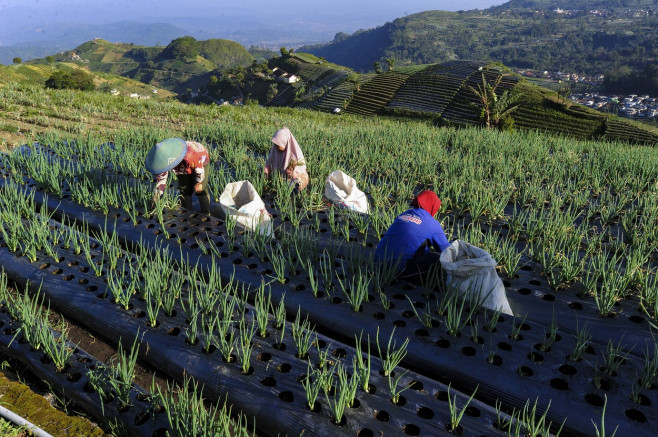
287 158
410 237
189 162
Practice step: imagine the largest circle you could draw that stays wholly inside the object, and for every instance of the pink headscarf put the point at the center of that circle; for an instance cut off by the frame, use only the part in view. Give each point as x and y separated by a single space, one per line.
280 159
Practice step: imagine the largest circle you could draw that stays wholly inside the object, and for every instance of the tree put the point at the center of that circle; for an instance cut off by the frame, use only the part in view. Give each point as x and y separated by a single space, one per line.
284 52
272 91
493 108
183 48
50 59
17 60
390 63
377 66
77 79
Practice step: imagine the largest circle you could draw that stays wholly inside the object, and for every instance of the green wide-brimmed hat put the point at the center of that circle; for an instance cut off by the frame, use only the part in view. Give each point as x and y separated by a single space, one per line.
166 155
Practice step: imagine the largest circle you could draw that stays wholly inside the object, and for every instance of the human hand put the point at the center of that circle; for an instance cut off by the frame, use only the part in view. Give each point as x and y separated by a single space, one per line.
198 187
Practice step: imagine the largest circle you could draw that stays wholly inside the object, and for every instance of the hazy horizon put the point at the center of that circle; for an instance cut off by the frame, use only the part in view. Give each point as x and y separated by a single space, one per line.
35 28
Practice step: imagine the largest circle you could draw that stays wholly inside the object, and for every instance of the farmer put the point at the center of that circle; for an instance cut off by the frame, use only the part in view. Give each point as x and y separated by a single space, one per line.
189 162
410 236
286 157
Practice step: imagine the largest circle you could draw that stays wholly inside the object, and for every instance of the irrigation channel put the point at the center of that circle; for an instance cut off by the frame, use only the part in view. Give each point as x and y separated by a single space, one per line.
268 335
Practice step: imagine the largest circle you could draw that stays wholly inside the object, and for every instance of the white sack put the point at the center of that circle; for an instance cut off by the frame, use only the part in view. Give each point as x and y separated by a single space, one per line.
341 190
241 202
473 271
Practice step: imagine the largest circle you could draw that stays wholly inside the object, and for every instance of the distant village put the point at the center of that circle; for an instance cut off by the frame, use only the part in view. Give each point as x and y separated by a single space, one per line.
631 106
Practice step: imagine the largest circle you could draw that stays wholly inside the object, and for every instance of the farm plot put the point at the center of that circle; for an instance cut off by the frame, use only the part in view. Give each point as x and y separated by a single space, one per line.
575 241
376 93
433 88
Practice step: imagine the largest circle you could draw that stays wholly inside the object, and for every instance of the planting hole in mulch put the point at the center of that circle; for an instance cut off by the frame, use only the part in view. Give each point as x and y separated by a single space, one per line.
411 429
559 384
74 377
525 291
535 357
468 351
399 296
399 323
548 298
142 418
382 416
336 300
264 356
339 353
365 432
443 343
524 371
379 316
636 415
408 314
504 346
567 369
642 400
441 395
83 281
250 371
477 340
421 333
425 413
92 288
284 368
269 382
458 430
636 319
279 346
576 306
472 411
495 360
415 385
594 400
534 282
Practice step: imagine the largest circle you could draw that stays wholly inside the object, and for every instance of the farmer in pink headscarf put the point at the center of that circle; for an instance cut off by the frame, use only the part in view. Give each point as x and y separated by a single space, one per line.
286 156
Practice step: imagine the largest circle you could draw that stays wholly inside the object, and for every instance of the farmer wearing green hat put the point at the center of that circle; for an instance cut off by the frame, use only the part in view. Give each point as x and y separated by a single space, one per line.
189 162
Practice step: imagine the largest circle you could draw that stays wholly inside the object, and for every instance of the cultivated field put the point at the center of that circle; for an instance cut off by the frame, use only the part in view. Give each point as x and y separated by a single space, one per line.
304 333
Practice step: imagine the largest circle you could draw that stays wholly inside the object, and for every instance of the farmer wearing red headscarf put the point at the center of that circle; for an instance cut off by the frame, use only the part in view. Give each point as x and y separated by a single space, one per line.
286 157
412 233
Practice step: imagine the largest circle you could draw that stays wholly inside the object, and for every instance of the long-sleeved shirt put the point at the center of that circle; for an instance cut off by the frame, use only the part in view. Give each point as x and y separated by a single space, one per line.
408 232
193 162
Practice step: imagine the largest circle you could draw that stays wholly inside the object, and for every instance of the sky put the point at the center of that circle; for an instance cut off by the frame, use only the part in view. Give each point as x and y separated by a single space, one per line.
104 11
260 22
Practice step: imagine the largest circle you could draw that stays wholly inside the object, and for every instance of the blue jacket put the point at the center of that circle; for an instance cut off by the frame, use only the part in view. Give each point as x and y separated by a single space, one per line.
407 233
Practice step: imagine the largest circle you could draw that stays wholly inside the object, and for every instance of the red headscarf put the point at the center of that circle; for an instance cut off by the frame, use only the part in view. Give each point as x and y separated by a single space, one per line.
428 200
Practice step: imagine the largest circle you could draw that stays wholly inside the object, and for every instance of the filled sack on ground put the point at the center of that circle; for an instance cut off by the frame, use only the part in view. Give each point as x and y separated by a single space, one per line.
341 190
473 271
240 202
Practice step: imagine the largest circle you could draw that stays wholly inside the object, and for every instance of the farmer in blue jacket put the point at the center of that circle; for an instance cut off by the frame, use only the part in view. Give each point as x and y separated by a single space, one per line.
412 234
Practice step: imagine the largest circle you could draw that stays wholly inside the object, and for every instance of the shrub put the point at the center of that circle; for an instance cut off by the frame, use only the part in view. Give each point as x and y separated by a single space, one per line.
77 79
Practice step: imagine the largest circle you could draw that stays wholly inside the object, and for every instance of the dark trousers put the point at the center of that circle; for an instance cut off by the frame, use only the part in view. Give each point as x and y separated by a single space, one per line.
186 184
418 266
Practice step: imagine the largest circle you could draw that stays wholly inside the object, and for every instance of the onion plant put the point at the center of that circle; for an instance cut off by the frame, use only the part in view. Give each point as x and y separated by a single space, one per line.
393 383
455 414
347 384
311 384
356 290
583 338
302 334
227 340
188 413
360 365
279 313
614 356
600 432
261 306
244 343
392 357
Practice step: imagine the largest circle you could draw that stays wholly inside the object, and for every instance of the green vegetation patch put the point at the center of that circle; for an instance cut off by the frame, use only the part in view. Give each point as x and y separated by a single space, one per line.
36 409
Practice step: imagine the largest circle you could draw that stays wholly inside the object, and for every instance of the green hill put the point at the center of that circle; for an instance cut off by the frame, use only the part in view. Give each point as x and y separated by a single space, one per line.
590 37
156 66
445 94
36 74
